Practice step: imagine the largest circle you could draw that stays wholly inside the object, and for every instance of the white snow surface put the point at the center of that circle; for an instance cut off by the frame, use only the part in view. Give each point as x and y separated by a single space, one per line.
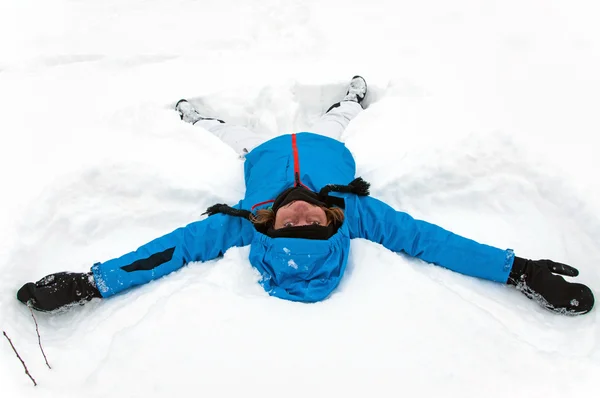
482 117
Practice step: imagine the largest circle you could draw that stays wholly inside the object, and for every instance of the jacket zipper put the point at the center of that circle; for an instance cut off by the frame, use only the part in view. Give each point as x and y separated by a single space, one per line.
297 181
296 163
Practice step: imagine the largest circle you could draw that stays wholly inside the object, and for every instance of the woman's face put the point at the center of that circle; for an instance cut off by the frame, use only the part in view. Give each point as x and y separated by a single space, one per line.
299 213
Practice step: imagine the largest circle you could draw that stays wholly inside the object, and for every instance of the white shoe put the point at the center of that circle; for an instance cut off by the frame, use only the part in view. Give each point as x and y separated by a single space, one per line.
357 90
187 112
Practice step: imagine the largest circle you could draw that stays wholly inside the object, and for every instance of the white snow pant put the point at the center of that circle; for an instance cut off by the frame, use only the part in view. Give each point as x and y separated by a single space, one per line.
242 140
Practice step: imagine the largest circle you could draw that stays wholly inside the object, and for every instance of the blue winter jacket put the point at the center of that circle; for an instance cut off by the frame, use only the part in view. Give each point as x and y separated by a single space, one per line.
301 269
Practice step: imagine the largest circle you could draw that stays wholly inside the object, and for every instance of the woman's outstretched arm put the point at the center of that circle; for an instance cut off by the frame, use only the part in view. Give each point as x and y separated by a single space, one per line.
199 241
374 220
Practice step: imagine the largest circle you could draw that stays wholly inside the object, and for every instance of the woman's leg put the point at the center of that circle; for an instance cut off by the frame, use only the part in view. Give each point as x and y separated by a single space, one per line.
240 138
333 123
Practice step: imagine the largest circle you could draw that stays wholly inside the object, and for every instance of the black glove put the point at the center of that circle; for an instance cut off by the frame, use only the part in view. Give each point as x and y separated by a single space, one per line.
57 290
537 280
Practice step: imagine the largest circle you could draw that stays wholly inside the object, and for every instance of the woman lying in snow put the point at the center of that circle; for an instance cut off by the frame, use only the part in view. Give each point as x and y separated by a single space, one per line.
299 223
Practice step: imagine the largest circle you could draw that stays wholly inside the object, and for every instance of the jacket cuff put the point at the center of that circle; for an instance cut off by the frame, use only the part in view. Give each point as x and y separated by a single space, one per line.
518 269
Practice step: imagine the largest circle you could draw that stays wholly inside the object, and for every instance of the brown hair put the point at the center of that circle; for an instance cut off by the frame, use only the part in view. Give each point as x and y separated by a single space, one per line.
267 216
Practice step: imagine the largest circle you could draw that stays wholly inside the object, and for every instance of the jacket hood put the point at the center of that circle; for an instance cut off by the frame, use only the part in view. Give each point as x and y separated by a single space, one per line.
300 269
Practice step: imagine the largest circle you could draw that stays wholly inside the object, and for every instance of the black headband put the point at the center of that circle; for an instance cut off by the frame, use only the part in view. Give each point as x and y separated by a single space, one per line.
297 193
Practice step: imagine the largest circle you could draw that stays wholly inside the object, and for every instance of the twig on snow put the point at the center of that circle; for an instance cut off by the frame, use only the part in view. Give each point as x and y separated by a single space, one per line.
39 338
18 356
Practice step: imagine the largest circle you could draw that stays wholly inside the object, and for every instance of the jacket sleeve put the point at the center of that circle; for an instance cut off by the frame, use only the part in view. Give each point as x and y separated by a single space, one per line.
199 241
374 220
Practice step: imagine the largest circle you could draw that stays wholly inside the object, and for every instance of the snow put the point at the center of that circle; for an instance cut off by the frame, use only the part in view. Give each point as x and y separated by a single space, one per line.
482 118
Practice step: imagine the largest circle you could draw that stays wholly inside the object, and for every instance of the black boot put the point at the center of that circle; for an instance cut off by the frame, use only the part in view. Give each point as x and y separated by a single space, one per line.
57 290
537 280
